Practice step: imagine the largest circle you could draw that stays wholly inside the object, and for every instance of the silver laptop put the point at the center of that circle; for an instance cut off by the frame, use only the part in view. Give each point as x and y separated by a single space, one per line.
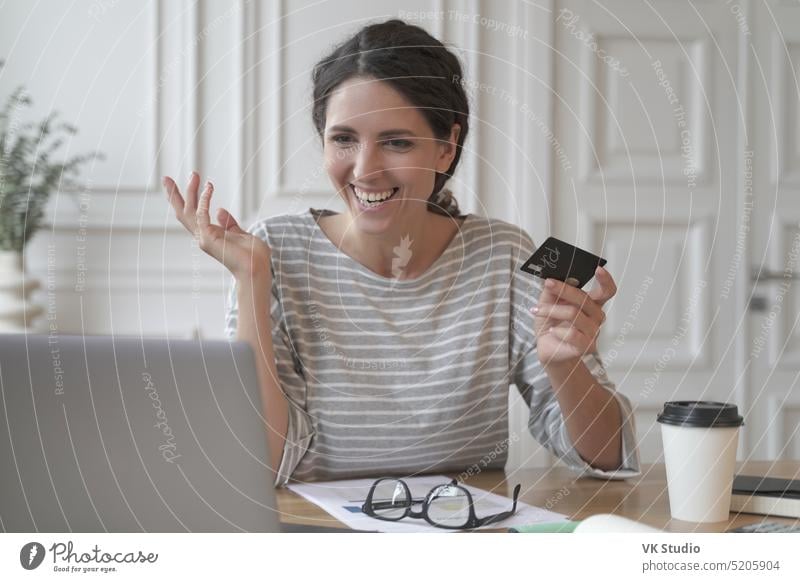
130 434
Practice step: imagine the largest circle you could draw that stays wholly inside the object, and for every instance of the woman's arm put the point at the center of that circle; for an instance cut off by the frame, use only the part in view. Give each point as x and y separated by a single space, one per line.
591 414
567 322
248 258
255 327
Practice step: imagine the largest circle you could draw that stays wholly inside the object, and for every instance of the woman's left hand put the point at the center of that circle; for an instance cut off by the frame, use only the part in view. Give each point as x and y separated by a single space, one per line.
567 320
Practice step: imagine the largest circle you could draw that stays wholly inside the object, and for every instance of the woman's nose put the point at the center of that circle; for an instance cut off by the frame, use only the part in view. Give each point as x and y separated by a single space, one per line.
367 162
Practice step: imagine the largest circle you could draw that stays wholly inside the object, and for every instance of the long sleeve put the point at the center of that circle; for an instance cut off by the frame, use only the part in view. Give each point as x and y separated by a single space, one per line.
546 421
292 381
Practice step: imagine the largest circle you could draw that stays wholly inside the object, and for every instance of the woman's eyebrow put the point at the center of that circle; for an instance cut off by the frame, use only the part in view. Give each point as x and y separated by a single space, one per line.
384 133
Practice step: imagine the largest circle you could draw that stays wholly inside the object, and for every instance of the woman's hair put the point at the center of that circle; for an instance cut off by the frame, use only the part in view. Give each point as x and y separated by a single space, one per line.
416 65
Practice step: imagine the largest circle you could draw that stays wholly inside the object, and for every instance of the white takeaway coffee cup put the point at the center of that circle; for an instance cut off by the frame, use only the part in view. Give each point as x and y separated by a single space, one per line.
700 440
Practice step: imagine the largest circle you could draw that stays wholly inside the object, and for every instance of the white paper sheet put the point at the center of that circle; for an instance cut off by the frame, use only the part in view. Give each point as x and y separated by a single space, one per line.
343 500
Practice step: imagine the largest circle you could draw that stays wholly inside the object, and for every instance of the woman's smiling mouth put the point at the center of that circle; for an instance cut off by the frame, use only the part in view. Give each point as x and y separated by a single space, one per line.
372 200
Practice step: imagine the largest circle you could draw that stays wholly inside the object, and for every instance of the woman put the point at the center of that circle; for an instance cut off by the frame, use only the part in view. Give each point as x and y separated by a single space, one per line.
387 336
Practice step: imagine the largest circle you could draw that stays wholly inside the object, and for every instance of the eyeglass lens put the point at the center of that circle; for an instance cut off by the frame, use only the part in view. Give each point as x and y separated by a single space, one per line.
448 505
391 499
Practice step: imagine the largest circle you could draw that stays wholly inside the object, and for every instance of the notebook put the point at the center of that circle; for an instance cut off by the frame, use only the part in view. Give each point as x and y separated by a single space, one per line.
766 495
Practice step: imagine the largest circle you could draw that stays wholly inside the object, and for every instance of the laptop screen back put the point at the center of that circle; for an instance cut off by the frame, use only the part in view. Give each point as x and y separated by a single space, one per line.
129 434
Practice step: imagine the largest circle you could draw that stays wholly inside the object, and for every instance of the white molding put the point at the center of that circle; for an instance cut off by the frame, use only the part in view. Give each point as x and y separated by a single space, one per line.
539 87
276 171
474 71
191 132
253 63
110 211
247 117
597 164
439 7
179 89
785 170
742 281
147 280
155 113
777 410
519 137
781 334
467 40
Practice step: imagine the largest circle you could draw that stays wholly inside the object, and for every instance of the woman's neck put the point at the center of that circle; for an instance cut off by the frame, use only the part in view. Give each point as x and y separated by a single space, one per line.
405 253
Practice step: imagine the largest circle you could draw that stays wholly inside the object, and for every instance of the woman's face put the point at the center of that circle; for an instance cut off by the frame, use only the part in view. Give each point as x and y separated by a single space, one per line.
378 145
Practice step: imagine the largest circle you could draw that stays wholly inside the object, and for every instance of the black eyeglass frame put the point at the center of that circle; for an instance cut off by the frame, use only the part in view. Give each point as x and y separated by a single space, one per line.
473 520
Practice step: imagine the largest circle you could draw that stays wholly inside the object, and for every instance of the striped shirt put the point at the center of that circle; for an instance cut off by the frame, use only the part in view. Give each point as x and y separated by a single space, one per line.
405 376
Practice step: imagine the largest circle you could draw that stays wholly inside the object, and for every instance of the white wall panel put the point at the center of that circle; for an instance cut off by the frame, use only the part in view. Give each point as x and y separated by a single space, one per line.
631 130
95 70
664 311
785 87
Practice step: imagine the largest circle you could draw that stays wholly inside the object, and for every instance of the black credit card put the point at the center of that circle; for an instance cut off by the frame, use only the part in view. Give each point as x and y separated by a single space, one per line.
556 259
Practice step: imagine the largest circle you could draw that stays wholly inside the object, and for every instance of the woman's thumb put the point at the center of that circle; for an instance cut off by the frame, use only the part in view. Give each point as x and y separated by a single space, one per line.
228 222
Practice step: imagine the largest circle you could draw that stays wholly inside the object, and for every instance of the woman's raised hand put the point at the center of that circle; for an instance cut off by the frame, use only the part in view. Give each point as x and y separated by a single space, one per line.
242 253
567 320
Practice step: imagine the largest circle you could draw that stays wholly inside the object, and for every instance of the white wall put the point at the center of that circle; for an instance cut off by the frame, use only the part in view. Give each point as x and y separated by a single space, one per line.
165 87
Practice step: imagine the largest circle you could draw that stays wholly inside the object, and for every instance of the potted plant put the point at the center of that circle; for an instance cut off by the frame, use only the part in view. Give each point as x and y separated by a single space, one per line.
28 176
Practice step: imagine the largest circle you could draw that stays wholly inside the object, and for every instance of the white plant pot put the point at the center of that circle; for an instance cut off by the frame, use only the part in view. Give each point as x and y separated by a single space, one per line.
17 312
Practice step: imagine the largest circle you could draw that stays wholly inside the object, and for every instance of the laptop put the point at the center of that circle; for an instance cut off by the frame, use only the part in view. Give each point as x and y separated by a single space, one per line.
125 434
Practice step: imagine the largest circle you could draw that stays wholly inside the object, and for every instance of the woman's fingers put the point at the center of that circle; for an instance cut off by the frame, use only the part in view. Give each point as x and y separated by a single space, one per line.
203 206
573 337
569 314
245 255
191 191
605 289
173 194
228 222
559 292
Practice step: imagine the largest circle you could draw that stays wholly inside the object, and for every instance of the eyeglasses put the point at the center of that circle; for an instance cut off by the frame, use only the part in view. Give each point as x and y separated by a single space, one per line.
447 506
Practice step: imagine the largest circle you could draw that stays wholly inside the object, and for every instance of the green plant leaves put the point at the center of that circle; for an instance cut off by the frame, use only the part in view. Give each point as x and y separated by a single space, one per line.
27 174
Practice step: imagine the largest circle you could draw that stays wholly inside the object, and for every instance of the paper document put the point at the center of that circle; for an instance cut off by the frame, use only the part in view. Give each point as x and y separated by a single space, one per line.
343 500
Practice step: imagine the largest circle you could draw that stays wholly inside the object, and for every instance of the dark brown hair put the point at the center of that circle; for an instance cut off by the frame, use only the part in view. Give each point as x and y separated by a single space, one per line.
416 65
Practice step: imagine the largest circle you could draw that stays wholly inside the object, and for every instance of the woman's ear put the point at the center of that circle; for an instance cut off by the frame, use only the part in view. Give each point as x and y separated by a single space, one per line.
455 132
449 149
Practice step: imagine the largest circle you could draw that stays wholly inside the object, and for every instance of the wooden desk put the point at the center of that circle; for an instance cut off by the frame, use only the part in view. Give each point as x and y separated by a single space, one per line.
643 499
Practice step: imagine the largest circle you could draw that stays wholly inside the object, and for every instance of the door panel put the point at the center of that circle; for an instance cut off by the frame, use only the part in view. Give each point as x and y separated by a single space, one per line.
773 350
646 103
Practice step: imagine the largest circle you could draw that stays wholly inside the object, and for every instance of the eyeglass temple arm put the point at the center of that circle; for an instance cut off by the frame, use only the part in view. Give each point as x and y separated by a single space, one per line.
501 516
394 504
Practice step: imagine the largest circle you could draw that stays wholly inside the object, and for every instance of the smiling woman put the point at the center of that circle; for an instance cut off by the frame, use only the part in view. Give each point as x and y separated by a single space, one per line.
417 80
387 335
393 119
389 166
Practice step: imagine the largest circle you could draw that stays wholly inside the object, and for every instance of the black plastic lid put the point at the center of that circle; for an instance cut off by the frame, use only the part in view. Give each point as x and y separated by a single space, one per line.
700 413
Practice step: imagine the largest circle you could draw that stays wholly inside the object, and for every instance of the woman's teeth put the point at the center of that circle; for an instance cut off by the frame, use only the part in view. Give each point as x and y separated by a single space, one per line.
370 199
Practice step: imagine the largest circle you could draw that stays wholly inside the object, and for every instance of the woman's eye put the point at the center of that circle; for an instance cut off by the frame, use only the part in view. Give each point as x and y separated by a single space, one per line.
398 143
348 141
342 139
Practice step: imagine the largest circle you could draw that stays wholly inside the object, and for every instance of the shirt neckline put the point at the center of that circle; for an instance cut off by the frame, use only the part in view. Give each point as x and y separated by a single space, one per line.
456 241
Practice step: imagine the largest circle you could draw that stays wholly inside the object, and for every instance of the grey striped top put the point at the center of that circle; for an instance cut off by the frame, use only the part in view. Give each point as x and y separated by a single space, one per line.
388 376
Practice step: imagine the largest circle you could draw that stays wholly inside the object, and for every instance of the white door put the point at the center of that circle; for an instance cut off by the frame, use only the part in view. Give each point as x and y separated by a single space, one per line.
773 350
647 116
